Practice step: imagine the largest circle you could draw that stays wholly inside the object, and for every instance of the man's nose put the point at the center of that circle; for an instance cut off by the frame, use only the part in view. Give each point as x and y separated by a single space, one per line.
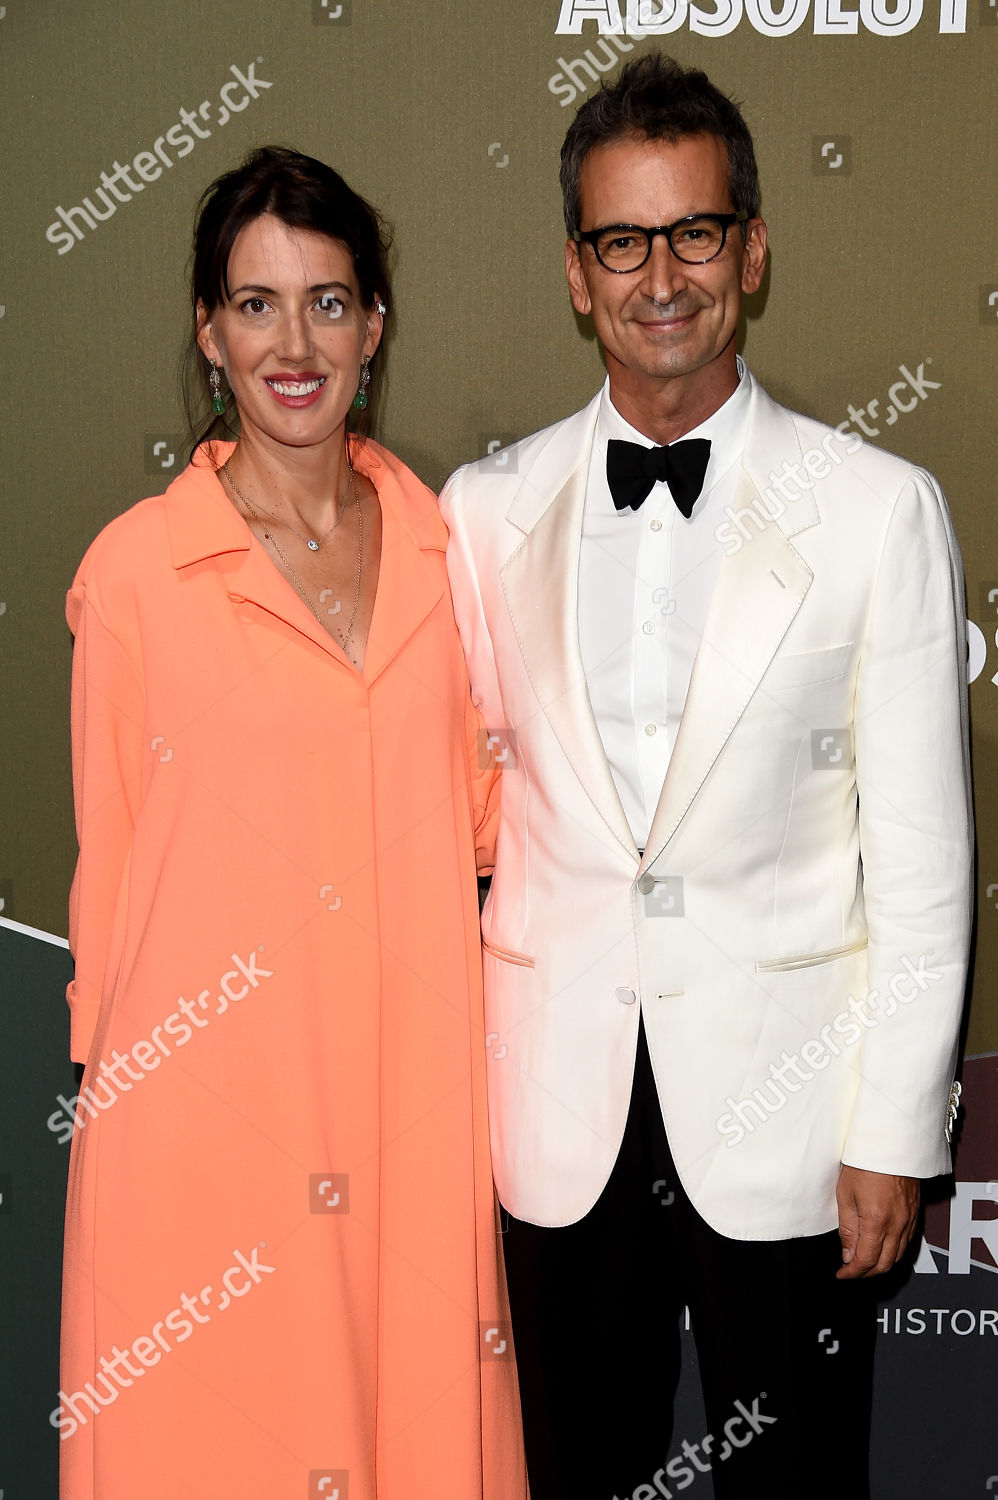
663 273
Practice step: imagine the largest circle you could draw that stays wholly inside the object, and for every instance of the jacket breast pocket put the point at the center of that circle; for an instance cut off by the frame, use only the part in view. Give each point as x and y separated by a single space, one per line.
806 668
809 960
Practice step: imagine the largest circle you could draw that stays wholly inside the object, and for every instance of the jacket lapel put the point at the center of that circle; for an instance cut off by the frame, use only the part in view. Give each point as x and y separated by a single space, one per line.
540 582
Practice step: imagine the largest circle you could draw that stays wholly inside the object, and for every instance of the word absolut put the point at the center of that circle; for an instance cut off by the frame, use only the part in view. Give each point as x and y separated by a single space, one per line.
118 1373
679 1468
98 1096
121 183
768 17
794 1069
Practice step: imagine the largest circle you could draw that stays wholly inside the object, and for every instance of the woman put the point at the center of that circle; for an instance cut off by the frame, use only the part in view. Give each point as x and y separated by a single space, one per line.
281 1265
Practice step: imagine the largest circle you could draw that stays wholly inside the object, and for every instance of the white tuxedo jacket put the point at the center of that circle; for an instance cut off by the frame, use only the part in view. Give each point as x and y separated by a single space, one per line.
796 932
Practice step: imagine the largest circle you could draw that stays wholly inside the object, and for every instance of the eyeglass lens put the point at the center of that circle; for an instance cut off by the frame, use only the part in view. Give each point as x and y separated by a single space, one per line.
695 241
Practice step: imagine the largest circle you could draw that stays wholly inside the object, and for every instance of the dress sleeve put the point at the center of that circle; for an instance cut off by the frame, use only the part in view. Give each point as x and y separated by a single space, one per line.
107 718
485 778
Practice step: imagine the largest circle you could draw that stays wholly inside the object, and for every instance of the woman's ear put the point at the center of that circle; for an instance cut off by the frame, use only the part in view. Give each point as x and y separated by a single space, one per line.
205 336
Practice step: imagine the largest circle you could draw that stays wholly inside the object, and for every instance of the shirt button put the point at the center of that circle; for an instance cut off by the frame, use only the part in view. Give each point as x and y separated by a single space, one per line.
656 526
651 729
625 995
648 627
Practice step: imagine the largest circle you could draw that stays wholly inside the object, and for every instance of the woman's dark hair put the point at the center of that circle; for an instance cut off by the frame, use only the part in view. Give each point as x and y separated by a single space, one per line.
657 99
304 194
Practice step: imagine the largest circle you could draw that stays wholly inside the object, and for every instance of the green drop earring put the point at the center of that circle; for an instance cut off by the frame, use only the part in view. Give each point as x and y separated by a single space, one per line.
360 400
217 399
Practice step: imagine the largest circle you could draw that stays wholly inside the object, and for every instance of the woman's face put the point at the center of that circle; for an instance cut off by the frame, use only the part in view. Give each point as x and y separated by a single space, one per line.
292 334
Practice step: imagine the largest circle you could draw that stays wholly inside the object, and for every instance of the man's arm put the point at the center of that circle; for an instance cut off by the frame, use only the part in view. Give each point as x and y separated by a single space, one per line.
912 770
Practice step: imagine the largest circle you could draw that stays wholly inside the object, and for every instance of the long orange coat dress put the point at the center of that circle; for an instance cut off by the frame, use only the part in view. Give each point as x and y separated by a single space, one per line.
281 1256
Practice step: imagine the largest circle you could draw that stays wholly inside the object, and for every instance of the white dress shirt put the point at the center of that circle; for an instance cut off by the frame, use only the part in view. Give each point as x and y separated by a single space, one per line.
645 583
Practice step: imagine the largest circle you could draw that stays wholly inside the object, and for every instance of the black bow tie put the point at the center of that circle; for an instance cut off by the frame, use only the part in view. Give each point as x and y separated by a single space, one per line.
632 470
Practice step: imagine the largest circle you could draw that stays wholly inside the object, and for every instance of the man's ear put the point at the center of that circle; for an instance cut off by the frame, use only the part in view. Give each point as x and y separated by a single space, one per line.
754 261
581 300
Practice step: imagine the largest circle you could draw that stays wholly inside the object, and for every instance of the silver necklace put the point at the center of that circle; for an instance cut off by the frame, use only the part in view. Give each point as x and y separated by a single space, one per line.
312 543
346 636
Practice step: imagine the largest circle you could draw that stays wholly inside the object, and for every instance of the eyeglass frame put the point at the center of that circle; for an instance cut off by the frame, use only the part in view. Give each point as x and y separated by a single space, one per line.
590 236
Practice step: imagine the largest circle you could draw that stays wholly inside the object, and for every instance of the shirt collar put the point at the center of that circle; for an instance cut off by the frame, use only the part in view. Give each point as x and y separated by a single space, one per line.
725 429
202 521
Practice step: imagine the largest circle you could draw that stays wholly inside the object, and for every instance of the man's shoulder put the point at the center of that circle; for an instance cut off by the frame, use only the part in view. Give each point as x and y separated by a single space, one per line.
825 451
555 450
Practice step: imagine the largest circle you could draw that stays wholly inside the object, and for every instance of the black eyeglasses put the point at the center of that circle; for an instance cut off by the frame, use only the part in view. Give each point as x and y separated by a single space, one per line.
696 239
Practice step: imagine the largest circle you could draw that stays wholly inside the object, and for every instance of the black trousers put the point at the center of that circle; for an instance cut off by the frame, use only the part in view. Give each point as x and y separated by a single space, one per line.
785 1351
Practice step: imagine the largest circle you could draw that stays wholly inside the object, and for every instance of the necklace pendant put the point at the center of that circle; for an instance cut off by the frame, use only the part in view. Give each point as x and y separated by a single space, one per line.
313 545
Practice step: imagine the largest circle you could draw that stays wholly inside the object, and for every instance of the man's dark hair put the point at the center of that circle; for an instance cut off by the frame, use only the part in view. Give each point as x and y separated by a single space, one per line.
655 98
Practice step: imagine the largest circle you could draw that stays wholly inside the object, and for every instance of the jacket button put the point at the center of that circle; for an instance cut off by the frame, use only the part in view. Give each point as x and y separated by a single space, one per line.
646 884
625 995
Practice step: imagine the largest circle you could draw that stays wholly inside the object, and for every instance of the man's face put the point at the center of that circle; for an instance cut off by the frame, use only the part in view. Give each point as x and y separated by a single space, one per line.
668 319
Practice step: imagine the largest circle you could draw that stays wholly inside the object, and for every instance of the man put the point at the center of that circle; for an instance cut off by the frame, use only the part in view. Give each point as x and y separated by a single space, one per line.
726 941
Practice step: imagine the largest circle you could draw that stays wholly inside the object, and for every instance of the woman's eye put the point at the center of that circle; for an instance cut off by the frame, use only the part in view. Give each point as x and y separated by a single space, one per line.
254 305
331 306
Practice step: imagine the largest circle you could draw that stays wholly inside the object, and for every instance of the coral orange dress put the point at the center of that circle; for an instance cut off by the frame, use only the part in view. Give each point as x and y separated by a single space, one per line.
281 1274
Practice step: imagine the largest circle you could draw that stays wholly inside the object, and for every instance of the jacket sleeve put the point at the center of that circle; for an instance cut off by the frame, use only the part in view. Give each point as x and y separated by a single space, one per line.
107 718
916 840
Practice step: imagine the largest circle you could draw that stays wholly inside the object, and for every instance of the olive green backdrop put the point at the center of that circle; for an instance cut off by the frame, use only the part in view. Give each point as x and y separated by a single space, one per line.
880 179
